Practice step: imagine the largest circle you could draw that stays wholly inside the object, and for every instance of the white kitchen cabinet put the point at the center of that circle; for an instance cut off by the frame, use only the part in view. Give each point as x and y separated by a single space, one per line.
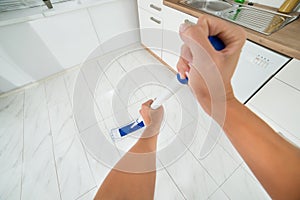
154 6
290 74
33 50
171 39
255 67
116 23
69 37
24 57
278 104
151 31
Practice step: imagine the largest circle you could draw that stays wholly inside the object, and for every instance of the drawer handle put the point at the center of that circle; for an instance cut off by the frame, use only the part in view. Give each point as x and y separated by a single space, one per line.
155 7
155 20
188 22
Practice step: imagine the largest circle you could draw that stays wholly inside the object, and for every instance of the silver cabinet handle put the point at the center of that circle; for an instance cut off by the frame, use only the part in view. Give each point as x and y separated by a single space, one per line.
155 7
188 22
155 20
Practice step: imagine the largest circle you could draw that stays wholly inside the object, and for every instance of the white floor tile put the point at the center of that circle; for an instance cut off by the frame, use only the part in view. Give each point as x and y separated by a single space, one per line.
128 61
73 171
70 80
191 178
11 145
92 72
39 179
10 183
56 91
219 164
89 195
11 131
242 186
100 146
114 73
144 57
85 110
230 149
99 170
218 195
165 188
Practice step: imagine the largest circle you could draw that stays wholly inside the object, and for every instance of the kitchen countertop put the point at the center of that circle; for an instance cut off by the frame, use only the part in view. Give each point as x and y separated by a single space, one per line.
285 41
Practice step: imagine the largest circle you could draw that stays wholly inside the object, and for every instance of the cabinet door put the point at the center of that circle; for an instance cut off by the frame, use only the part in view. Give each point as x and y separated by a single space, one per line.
116 24
255 67
154 6
70 37
151 31
278 104
290 73
171 39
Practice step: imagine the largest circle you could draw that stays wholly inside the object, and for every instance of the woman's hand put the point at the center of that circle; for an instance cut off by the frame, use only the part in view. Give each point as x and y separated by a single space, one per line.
210 71
152 118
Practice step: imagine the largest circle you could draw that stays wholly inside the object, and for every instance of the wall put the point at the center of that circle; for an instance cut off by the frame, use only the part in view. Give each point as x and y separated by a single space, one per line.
272 3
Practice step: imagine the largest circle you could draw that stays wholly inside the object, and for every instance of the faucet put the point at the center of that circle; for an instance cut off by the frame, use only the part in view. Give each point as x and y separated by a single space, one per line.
48 3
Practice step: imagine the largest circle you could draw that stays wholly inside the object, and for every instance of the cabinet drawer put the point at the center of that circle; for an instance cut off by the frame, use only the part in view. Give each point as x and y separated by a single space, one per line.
151 31
154 6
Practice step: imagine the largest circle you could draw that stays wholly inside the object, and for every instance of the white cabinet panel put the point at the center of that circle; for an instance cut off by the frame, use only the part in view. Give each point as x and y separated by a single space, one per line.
151 31
154 6
256 65
279 102
24 57
116 24
290 73
70 37
171 39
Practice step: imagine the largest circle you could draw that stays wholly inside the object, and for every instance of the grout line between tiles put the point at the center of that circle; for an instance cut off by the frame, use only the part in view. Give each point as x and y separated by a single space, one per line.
52 143
86 192
173 180
22 168
78 133
220 186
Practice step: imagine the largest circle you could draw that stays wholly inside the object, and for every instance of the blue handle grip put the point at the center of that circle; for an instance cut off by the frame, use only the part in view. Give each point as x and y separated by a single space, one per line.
216 43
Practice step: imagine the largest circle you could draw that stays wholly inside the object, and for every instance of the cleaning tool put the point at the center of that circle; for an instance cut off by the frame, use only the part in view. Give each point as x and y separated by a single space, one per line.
174 86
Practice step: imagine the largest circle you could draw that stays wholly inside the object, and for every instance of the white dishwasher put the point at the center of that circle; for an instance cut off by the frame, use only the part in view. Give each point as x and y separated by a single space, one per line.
255 67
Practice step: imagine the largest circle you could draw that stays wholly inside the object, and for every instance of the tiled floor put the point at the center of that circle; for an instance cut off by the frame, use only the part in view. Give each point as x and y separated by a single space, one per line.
55 135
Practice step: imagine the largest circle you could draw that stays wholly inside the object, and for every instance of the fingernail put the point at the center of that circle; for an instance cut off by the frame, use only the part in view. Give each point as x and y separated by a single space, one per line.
182 76
183 27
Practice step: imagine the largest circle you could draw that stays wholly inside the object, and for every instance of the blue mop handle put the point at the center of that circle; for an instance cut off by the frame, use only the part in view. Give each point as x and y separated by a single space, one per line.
174 86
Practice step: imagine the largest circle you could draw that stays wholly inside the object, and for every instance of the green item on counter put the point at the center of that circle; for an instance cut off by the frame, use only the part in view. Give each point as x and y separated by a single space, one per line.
239 1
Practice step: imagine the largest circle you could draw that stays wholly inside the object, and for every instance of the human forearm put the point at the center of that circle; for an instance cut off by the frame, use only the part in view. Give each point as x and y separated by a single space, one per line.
274 161
134 175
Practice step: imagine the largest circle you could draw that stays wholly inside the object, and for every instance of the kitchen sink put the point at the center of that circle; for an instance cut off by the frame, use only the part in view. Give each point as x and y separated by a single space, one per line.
255 18
210 6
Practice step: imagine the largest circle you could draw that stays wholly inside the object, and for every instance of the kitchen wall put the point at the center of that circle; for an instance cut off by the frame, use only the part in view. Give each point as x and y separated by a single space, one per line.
273 3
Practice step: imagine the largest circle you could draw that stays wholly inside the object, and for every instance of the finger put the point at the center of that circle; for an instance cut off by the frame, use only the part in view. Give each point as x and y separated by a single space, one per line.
182 67
196 38
148 103
213 26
